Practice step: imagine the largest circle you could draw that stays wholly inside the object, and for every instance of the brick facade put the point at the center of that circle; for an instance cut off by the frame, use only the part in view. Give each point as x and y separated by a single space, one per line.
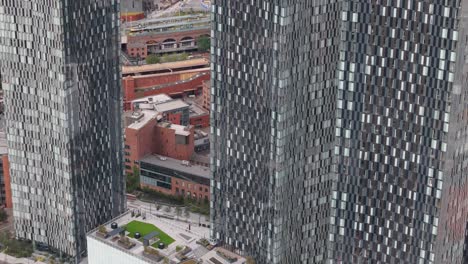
206 95
6 180
173 84
200 121
184 188
152 138
139 45
165 144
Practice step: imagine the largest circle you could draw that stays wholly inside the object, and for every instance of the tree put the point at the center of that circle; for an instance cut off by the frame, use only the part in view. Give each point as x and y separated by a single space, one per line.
3 215
178 212
203 43
153 59
158 207
133 180
186 212
102 229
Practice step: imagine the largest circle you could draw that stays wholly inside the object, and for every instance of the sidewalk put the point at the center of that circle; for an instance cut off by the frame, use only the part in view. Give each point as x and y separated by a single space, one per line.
150 208
4 258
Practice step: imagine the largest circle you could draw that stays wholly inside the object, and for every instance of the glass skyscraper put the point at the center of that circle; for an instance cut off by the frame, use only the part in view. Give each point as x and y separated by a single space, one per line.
60 73
340 130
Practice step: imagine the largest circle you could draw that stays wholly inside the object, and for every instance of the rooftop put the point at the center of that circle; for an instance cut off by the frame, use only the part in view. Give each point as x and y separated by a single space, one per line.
179 130
143 117
172 228
196 110
161 103
177 165
160 98
164 66
170 106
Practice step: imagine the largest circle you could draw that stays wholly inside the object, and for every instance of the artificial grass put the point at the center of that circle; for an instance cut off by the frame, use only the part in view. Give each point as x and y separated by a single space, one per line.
144 229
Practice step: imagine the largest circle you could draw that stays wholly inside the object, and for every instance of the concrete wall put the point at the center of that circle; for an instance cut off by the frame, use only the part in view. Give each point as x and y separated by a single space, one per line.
99 253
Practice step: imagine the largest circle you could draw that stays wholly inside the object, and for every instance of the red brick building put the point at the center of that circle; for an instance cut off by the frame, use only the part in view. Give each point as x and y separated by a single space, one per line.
175 177
206 95
178 83
5 185
7 182
177 111
165 35
146 134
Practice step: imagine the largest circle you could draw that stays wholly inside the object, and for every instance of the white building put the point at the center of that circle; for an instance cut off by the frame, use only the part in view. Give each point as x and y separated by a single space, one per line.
107 249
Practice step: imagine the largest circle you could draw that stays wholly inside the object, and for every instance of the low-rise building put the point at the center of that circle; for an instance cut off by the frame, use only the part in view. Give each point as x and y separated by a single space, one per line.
5 186
182 242
175 177
206 95
176 79
165 35
177 111
147 133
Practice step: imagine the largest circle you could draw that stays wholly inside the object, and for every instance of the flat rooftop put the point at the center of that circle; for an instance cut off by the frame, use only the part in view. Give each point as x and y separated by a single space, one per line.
177 165
164 66
160 98
179 130
173 227
161 103
146 116
200 70
170 106
196 110
176 229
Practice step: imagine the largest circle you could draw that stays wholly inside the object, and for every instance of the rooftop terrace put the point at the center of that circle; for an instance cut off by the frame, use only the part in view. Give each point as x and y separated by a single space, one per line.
181 242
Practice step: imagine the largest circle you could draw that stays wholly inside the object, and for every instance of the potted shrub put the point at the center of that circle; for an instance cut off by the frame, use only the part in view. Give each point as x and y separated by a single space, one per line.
228 258
125 242
102 231
152 253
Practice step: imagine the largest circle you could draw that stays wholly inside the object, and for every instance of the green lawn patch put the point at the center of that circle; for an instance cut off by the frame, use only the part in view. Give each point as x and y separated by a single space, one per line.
144 229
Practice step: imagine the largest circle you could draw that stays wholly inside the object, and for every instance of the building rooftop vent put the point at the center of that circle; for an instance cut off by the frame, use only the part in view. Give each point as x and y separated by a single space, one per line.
162 158
186 163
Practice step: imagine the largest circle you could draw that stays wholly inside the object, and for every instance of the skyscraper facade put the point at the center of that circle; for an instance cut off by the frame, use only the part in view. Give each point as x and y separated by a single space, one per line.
60 68
339 130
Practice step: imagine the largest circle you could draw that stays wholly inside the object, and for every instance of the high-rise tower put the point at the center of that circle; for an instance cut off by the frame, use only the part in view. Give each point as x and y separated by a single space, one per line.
339 130
60 68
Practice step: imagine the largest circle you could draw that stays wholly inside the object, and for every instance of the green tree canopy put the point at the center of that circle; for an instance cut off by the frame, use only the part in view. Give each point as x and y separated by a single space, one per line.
203 43
153 59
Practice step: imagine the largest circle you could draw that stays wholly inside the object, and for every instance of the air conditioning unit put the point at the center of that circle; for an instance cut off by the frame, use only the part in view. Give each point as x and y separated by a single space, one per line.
186 163
162 158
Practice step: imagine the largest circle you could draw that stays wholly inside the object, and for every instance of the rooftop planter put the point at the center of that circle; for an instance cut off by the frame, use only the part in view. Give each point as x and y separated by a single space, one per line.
182 252
203 242
228 258
125 242
102 232
153 254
